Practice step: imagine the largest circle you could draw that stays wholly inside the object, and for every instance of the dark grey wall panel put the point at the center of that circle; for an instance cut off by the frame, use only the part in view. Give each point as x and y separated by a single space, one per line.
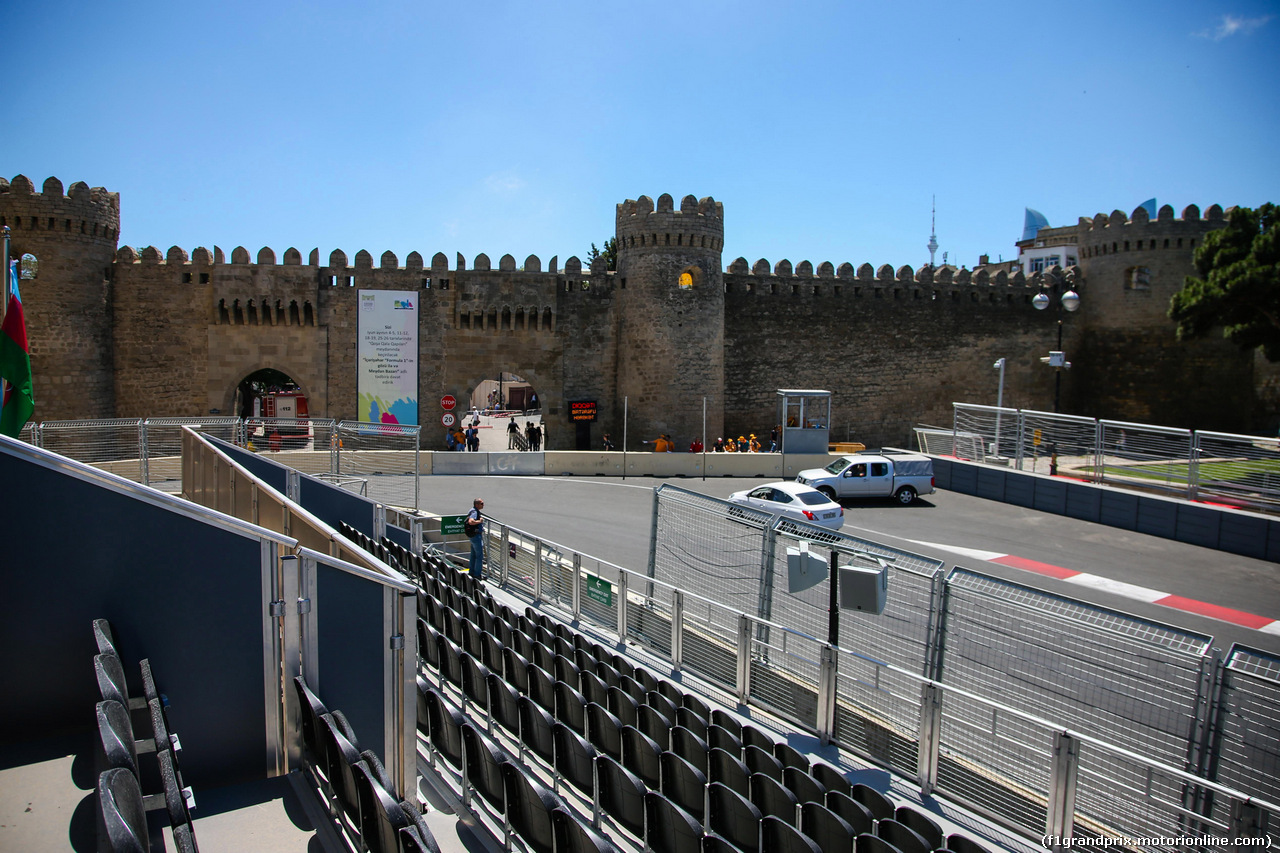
964 478
272 473
1273 541
1244 534
328 502
1198 525
351 643
333 505
1083 501
1119 509
1019 489
991 484
1051 496
942 469
403 538
1157 517
195 611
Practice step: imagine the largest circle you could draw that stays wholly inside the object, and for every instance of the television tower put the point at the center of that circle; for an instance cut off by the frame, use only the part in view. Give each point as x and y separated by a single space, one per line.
933 236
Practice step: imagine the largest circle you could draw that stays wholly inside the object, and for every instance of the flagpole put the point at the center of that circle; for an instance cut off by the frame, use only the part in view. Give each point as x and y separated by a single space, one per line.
4 306
4 295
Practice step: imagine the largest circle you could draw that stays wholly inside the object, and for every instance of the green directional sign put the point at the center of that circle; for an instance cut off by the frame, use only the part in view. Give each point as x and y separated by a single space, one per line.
452 525
599 589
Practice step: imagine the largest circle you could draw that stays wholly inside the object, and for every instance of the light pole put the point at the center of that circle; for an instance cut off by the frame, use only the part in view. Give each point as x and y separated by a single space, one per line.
999 365
1069 302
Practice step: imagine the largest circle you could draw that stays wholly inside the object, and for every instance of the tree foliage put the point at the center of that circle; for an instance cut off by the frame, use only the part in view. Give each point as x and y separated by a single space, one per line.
1238 286
610 254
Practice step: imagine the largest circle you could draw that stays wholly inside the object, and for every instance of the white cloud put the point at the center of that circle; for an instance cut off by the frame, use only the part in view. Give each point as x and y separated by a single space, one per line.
1235 25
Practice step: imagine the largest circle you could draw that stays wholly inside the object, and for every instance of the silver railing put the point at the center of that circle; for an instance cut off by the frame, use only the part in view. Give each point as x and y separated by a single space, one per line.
1045 778
1243 470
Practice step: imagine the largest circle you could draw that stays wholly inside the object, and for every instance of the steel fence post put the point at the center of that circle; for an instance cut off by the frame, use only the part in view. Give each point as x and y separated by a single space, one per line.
1022 435
1193 469
144 475
537 571
930 738
744 658
827 683
1060 815
576 595
677 629
1099 451
624 585
505 559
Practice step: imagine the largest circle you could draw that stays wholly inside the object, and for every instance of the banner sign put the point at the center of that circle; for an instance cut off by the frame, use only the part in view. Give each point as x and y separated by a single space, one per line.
387 357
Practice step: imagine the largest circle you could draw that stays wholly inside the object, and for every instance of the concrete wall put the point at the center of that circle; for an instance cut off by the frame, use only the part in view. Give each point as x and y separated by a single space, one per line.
1238 532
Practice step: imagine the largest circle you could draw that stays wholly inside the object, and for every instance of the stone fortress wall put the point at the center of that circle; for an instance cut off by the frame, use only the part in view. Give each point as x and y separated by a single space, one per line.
118 333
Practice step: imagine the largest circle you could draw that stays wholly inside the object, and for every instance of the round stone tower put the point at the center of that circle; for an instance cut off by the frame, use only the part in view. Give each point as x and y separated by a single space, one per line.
670 289
67 304
1130 365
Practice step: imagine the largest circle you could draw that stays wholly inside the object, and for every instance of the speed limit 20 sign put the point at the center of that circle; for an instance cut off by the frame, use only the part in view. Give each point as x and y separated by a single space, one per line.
447 419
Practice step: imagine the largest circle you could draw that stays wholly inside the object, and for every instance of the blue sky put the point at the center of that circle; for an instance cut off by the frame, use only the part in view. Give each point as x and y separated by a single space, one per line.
825 128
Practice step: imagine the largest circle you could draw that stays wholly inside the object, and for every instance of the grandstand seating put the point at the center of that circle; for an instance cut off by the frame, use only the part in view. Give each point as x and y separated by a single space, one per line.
581 748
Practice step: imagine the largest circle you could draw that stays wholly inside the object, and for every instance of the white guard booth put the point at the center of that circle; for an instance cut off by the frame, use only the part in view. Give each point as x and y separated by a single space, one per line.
806 420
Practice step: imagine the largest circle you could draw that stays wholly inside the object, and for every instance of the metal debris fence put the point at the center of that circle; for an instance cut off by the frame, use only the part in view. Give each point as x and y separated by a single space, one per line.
1241 470
381 459
1046 714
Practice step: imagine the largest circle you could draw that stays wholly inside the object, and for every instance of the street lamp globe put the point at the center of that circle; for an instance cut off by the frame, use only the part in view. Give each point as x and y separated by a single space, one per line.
1041 301
1070 300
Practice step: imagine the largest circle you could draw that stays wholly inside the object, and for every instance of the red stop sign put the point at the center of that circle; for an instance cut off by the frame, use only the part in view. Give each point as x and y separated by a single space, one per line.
447 402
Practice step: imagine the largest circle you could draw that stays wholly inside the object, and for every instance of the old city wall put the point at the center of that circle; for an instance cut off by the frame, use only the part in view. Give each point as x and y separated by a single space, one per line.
132 334
1130 364
896 348
68 306
224 321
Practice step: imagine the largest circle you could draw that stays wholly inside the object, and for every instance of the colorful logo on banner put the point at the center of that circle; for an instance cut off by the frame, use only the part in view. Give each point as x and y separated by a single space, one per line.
387 357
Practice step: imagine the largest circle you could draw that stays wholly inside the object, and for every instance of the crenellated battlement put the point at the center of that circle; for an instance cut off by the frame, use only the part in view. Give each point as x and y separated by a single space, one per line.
81 211
698 224
1105 235
944 282
338 262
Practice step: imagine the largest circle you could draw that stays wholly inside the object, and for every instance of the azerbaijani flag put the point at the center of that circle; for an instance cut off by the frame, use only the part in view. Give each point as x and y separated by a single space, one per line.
15 363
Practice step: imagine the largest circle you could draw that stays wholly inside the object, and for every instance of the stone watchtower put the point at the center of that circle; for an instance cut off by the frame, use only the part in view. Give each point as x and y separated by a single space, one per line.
68 304
670 291
1130 364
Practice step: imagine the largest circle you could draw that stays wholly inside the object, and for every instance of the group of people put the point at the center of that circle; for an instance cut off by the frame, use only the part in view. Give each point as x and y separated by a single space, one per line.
532 435
741 444
458 438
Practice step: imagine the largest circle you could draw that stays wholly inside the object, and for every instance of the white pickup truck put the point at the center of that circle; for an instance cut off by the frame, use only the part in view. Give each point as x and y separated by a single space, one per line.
903 476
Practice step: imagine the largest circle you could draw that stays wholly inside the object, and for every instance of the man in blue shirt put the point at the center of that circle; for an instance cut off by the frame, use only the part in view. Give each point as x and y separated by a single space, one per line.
474 526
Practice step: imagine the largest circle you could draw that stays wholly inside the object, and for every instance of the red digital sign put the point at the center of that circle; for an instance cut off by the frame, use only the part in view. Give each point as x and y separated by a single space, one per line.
583 410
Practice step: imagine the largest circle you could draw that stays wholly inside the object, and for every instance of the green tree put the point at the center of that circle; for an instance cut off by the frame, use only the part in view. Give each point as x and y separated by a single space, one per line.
1238 286
610 254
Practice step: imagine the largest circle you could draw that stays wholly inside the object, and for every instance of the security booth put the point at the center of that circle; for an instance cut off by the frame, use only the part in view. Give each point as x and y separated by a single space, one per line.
806 420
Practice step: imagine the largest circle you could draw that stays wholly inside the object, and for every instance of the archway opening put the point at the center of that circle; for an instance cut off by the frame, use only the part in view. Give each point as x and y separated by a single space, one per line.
504 412
275 410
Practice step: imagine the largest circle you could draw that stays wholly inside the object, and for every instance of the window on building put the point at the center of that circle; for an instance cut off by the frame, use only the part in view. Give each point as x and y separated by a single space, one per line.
1137 278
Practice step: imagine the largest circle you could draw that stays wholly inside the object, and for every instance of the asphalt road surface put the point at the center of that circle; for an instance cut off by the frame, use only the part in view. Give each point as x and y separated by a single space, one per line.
609 518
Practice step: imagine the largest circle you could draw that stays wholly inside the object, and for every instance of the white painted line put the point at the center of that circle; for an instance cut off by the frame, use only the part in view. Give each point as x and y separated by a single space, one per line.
1128 590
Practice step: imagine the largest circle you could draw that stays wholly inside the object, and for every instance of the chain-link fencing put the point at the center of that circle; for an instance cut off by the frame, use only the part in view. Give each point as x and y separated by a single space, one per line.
387 455
1239 470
